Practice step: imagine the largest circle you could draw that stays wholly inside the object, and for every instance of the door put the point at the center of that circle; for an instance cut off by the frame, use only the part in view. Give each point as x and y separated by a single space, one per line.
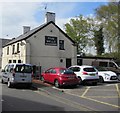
5 73
53 75
68 62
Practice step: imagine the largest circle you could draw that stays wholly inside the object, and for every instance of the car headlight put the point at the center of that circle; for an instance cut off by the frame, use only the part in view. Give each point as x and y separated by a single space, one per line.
106 74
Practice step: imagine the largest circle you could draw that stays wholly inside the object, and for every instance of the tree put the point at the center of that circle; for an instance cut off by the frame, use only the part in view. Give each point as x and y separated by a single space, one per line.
78 29
109 15
99 41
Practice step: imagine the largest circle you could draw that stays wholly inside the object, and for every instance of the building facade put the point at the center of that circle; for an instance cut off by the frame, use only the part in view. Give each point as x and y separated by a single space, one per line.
2 43
46 46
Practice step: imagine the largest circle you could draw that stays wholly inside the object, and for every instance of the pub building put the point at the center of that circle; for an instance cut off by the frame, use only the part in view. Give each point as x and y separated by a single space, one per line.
46 46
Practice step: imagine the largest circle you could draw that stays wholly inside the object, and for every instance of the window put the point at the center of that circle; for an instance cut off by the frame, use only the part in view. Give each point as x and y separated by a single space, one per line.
19 61
13 49
53 71
111 64
6 68
18 48
14 61
10 61
75 69
7 50
103 64
89 69
61 44
23 68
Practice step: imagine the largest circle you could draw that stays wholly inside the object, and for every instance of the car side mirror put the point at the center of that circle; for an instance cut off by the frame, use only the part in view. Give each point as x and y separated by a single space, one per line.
11 70
3 70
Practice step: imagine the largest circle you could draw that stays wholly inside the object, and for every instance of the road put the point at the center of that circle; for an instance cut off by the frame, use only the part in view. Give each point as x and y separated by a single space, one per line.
84 98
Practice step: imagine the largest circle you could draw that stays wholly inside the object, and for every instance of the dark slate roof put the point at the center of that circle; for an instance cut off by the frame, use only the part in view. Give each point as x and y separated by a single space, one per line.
33 31
5 41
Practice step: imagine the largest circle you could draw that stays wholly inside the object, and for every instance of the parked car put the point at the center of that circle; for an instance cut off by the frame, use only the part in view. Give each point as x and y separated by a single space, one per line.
15 73
109 65
60 77
105 75
86 73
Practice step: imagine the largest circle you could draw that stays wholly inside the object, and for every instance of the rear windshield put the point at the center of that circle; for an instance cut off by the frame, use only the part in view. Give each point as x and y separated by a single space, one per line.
66 71
89 69
23 68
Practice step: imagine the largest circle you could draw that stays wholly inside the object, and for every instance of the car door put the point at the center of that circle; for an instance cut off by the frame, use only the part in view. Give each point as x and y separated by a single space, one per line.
52 75
5 73
23 73
47 74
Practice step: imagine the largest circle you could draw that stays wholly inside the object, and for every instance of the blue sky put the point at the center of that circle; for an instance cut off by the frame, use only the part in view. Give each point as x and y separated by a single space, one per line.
15 15
70 9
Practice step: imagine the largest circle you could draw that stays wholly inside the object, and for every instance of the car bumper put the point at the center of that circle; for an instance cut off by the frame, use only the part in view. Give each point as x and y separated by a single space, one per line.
65 83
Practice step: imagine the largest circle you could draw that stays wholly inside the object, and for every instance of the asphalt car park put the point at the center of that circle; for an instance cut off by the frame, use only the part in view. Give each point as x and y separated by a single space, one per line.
102 97
105 93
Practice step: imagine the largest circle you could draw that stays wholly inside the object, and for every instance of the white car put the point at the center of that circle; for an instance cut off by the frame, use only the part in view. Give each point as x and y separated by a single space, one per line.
86 73
106 76
17 73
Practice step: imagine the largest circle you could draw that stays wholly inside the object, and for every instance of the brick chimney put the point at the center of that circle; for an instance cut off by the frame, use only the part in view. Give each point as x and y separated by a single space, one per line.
26 29
50 17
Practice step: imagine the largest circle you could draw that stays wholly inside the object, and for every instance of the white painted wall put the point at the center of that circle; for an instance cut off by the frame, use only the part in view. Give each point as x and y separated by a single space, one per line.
34 50
49 56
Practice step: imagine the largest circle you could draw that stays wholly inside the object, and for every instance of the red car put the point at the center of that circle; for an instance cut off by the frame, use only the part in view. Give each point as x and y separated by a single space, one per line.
60 77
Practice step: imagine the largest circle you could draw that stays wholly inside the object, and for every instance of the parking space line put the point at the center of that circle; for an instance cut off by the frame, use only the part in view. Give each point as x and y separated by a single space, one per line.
85 91
102 96
95 100
116 106
118 91
69 102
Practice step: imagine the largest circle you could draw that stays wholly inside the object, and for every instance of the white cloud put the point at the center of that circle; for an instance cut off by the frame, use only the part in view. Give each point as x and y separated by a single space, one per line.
62 21
16 15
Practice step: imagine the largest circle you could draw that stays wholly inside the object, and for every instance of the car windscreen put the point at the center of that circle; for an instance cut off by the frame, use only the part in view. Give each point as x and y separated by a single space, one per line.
90 69
118 63
66 71
23 69
101 69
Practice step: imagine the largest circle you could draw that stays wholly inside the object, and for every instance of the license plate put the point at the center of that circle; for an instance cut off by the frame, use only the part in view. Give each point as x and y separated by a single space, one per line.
71 78
92 74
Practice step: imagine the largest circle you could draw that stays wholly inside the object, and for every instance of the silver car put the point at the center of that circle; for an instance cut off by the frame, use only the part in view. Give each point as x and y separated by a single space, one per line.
15 73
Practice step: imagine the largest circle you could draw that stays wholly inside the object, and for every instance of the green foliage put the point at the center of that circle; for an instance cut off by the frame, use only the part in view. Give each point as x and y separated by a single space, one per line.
99 41
108 15
78 29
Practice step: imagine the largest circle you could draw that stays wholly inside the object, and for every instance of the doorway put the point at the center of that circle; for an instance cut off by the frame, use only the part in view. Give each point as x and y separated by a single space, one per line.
68 62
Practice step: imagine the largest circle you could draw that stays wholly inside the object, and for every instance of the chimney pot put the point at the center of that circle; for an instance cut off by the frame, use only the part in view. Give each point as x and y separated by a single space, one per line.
50 17
26 29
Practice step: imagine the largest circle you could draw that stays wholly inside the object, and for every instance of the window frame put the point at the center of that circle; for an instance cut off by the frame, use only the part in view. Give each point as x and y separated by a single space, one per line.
61 45
8 50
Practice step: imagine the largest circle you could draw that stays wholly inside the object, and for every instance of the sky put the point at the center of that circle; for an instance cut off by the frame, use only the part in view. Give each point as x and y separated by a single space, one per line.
14 15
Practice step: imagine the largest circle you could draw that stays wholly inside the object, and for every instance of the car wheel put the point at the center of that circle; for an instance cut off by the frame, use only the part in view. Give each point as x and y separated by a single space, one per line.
101 80
80 80
2 81
119 77
42 79
9 84
56 83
